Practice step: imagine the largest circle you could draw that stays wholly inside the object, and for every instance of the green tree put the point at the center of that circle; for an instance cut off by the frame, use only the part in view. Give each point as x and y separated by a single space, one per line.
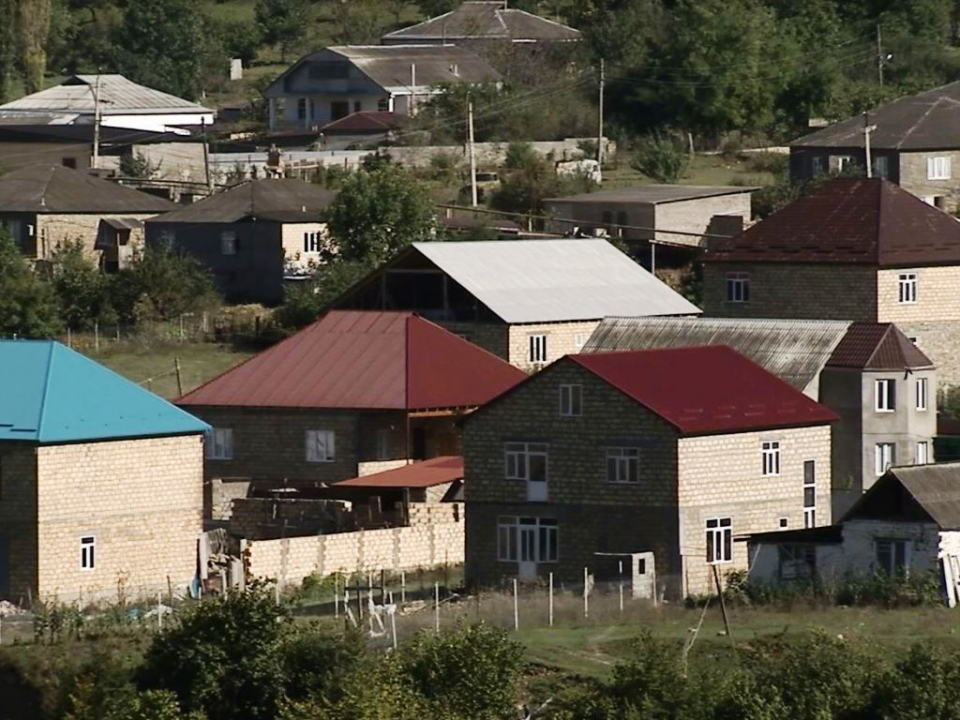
377 213
304 302
28 306
9 74
33 28
80 288
661 157
136 165
281 23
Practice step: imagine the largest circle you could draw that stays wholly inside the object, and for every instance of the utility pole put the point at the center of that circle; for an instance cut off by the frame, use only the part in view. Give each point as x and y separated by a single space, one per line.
96 123
600 118
879 57
472 153
206 156
867 129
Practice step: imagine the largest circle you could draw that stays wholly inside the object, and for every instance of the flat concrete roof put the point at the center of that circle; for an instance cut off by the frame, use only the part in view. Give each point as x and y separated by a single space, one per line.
653 194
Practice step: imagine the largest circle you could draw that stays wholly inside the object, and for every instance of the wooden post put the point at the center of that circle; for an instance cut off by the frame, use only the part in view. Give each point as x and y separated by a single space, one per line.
393 623
586 593
550 604
176 367
336 597
96 335
436 606
620 588
159 612
403 587
723 605
516 607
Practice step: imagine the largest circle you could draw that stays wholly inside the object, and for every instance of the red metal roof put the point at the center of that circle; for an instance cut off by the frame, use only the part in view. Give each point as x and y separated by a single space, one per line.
849 220
877 346
702 390
437 471
367 361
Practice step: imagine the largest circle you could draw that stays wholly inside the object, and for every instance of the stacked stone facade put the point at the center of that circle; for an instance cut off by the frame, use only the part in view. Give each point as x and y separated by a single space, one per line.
53 230
563 338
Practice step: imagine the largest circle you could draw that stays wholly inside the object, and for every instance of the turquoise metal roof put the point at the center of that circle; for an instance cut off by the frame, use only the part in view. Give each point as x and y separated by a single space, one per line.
51 394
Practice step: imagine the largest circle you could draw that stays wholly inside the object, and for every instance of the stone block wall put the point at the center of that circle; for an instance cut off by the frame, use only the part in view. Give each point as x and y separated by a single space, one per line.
940 341
54 229
219 494
936 295
431 513
720 476
142 501
913 176
563 338
860 536
254 518
18 521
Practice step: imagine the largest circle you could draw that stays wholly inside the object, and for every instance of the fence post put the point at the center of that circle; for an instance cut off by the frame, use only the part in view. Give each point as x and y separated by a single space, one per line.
96 335
586 593
516 607
403 587
176 368
336 597
181 327
159 611
436 606
550 604
620 588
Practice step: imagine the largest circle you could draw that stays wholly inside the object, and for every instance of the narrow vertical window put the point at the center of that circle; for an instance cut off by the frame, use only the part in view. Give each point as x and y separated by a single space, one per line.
88 549
923 452
885 456
809 494
738 287
220 444
921 394
320 446
907 285
771 458
228 242
538 348
719 540
885 395
571 400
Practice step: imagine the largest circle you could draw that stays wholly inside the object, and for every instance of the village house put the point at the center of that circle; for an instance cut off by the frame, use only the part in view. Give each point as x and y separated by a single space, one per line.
251 236
853 249
663 225
913 142
670 452
43 206
880 384
100 480
907 523
332 83
352 394
529 302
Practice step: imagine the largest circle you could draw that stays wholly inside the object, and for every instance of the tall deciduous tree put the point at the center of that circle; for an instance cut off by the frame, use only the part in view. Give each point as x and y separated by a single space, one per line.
28 307
8 47
281 23
33 30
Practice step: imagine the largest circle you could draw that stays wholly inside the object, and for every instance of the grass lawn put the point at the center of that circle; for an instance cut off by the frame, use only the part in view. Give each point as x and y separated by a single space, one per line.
704 170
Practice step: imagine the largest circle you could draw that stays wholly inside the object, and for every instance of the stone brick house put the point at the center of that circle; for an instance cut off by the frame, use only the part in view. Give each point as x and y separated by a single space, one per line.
251 236
43 206
527 301
352 394
665 451
100 480
854 249
915 142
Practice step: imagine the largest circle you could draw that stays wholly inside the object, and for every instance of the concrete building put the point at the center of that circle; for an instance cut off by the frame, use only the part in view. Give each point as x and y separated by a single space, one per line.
43 206
880 385
643 216
914 142
669 452
527 301
101 480
251 236
854 249
908 522
332 83
352 394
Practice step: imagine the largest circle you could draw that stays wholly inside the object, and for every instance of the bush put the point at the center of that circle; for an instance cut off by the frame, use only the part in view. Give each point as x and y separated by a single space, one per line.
777 164
28 305
662 158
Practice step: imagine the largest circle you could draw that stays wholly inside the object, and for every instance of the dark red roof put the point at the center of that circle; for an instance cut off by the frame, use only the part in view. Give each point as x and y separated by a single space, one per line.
363 360
710 389
437 471
877 346
849 220
364 121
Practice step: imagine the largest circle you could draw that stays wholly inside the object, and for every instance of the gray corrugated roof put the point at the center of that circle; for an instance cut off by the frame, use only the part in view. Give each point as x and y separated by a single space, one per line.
118 96
484 21
55 188
389 66
528 281
653 194
283 200
936 488
794 350
929 120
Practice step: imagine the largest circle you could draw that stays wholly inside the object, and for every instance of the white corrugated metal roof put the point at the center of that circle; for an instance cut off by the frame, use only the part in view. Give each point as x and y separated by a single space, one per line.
528 281
118 96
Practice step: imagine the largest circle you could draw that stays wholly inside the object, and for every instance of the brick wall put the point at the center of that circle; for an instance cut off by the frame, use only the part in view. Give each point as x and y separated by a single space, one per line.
786 290
434 513
913 176
142 501
54 229
940 341
563 338
290 560
219 494
720 476
936 295
18 521
694 216
294 245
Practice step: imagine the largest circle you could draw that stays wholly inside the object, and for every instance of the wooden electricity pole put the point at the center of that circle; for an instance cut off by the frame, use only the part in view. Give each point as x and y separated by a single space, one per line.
600 116
96 123
471 150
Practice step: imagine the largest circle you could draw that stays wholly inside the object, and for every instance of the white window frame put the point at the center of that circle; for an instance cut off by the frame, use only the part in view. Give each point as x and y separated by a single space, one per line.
923 452
884 456
923 387
719 541
843 161
220 444
538 348
528 539
228 242
88 553
885 395
579 340
938 167
770 458
623 465
571 400
809 494
320 452
516 460
907 288
893 546
738 288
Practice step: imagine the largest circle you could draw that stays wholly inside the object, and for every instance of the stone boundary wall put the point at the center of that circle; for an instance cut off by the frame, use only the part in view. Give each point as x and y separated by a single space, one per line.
290 560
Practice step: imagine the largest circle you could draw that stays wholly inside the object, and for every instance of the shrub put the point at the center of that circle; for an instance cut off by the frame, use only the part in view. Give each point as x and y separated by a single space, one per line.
661 157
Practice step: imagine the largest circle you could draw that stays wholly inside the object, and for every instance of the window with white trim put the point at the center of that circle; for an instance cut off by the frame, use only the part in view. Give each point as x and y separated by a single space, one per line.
220 444
228 242
320 446
809 493
525 461
623 465
893 555
527 539
312 242
938 168
738 287
907 285
845 162
922 388
538 348
923 452
571 400
771 457
88 552
719 540
885 454
579 340
885 395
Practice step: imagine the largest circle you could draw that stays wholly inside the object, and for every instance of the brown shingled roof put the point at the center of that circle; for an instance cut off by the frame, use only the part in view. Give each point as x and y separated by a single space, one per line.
877 346
849 220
